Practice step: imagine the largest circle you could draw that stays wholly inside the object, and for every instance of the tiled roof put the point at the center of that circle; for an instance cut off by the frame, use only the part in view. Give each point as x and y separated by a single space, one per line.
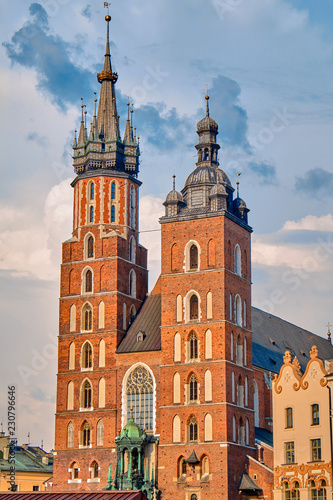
272 336
247 484
148 321
99 495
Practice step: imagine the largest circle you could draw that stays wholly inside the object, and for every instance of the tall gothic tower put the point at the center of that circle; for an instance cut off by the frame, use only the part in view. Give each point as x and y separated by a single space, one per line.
206 367
103 284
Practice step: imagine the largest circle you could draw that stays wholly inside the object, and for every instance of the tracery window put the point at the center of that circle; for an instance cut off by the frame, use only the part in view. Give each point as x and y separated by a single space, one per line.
193 388
87 355
193 429
86 434
87 317
140 397
86 394
193 346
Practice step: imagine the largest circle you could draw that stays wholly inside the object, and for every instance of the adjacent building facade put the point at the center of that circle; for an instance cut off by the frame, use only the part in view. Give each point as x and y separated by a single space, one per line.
301 415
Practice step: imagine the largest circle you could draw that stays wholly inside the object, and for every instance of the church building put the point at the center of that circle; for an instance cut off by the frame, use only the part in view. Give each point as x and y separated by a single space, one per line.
168 392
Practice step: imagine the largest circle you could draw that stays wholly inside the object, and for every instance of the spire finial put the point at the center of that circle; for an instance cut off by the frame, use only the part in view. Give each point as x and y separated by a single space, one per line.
132 411
85 119
174 182
329 332
238 185
95 100
207 99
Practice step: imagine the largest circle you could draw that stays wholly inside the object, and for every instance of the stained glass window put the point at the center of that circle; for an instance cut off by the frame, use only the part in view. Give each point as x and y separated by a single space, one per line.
140 397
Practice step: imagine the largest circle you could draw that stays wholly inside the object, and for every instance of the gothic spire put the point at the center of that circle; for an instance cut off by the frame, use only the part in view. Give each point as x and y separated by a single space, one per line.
127 135
107 116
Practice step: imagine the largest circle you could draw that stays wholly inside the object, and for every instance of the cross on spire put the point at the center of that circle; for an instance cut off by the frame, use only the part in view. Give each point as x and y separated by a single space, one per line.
106 5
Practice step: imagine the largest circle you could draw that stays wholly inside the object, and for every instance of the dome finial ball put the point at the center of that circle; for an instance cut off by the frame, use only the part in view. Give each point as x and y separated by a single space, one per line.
107 18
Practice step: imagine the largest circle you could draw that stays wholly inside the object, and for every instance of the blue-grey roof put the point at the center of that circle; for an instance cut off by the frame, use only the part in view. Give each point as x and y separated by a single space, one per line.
264 436
273 336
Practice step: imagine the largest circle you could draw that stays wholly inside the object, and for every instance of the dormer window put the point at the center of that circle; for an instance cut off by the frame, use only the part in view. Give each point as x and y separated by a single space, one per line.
140 336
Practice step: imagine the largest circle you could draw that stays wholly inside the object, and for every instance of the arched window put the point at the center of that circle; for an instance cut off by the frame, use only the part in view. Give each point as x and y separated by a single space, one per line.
193 384
238 265
208 385
87 317
132 283
234 429
113 213
208 427
209 305
240 392
132 247
132 207
91 213
256 403
101 393
70 435
193 257
193 344
86 391
193 430
90 247
233 387
88 281
238 310
71 356
179 309
101 354
204 466
72 318
239 351
85 434
194 307
177 348
208 345
70 396
74 471
86 359
293 492
94 470
247 432
140 395
100 433
194 496
92 191
176 388
241 432
101 315
132 313
176 429
113 191
174 257
181 470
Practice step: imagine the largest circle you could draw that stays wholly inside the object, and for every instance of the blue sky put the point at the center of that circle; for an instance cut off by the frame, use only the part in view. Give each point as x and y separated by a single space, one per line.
268 67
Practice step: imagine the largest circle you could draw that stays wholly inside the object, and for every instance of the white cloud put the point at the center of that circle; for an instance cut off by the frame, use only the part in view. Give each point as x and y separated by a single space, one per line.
310 223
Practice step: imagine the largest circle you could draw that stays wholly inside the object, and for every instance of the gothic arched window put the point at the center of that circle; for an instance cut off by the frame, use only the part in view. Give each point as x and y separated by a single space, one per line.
92 191
140 396
94 470
113 214
113 191
100 433
132 283
193 257
194 307
90 247
86 355
132 249
70 435
193 388
88 281
86 394
85 435
193 429
238 264
91 213
87 317
193 341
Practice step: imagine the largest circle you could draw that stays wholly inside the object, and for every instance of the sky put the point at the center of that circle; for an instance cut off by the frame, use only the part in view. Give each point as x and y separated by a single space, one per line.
268 67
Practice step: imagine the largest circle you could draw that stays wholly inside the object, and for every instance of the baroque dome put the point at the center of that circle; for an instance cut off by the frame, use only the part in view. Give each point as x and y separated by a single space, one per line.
207 174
